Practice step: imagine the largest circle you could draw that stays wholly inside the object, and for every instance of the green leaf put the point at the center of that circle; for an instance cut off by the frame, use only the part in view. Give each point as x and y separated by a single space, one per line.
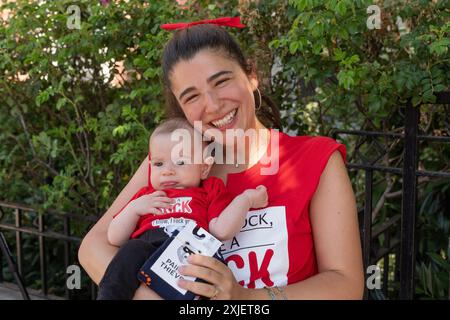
317 30
339 55
439 260
54 149
440 47
61 103
428 96
275 44
416 100
121 130
346 78
293 47
134 94
439 88
151 73
300 4
354 58
42 97
341 8
140 62
317 48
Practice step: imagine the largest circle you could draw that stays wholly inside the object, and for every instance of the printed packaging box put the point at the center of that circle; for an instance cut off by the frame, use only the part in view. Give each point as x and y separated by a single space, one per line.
160 271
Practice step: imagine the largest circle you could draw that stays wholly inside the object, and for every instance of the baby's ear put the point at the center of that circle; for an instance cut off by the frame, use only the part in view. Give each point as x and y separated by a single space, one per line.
207 165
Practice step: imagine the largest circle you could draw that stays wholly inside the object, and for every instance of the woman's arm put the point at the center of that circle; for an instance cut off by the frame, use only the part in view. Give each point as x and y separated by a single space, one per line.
336 241
335 229
95 252
122 226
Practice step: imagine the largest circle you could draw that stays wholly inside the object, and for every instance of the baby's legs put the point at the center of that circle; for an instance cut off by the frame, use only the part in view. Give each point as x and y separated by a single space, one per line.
120 280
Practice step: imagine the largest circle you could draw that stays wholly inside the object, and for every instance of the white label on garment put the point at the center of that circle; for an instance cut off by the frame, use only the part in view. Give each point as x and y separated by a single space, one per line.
258 255
191 240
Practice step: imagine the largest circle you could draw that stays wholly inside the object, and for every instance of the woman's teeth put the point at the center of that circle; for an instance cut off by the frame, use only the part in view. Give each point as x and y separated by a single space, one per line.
225 120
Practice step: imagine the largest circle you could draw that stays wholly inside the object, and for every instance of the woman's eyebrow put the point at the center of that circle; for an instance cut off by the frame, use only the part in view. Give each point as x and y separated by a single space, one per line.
216 75
211 78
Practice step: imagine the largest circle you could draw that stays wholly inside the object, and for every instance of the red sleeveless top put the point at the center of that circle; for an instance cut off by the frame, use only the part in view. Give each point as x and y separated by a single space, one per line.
275 245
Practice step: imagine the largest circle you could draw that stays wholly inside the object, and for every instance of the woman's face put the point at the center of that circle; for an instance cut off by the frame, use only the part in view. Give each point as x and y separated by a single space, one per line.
214 89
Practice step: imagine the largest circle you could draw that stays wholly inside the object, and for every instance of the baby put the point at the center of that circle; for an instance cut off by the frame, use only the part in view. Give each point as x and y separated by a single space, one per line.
180 191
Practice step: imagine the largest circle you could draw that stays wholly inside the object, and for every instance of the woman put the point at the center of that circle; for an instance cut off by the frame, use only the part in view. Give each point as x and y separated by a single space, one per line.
305 244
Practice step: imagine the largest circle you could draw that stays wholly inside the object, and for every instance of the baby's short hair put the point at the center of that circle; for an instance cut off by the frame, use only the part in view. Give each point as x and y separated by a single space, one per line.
170 125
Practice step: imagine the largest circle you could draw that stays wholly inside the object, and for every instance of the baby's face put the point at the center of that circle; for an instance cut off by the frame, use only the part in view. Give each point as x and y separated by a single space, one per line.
173 170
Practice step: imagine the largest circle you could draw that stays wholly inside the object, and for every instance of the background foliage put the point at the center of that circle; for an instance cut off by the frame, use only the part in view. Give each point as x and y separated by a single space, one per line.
74 124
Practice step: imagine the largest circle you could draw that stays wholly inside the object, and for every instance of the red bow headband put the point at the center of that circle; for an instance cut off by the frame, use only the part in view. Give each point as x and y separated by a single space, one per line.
225 21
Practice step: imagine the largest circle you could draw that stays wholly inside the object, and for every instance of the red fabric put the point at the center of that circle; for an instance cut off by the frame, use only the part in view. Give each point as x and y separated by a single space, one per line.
275 246
201 204
224 21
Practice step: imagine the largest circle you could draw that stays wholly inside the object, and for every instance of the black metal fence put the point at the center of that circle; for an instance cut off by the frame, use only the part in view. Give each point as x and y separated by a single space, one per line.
32 231
398 231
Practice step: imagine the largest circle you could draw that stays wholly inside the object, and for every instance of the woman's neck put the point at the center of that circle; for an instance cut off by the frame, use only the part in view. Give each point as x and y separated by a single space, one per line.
253 151
248 150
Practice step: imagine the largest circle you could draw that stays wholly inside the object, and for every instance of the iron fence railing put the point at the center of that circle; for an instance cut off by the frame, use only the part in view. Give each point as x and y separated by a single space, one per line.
41 227
404 246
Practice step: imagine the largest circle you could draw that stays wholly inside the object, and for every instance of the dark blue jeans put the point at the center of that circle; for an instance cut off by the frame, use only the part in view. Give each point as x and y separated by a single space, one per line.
120 280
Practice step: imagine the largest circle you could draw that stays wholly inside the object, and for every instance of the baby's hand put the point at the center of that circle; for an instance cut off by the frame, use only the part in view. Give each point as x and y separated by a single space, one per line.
258 197
151 203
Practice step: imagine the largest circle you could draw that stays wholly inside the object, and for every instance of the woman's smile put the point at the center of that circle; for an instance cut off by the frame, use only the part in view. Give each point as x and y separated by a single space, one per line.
227 121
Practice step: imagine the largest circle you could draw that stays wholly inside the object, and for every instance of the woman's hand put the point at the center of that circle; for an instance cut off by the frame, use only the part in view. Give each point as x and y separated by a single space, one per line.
221 284
151 203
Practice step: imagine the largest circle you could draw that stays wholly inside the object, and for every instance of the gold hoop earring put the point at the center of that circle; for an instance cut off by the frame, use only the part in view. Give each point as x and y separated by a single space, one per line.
260 100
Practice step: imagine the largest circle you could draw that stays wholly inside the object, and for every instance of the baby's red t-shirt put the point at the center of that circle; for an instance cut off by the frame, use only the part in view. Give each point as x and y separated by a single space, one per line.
201 204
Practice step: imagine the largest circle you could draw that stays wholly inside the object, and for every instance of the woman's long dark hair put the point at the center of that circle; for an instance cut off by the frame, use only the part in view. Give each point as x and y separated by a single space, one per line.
188 42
